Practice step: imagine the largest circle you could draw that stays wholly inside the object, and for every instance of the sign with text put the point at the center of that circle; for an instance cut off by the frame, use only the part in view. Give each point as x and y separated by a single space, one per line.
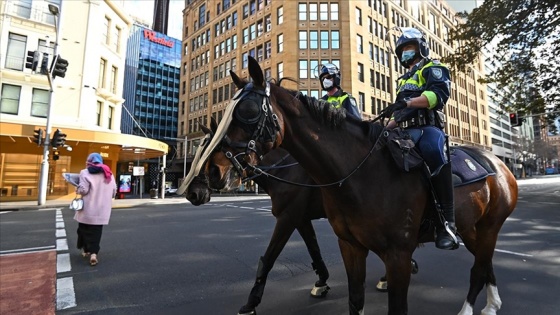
152 36
138 171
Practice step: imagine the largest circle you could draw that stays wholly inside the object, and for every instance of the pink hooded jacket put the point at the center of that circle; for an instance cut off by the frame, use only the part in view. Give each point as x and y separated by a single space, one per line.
97 195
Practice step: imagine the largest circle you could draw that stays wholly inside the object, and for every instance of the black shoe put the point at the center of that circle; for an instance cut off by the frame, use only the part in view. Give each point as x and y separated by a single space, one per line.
446 240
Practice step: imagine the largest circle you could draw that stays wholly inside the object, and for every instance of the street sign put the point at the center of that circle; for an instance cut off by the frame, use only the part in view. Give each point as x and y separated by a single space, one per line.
138 171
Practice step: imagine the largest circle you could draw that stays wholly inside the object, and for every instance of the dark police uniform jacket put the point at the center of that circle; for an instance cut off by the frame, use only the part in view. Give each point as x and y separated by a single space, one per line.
431 79
343 99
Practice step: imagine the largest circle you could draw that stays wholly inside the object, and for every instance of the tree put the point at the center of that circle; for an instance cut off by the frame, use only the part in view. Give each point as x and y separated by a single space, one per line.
526 41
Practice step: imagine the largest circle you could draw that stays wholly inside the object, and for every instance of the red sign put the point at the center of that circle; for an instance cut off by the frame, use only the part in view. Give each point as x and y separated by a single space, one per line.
151 36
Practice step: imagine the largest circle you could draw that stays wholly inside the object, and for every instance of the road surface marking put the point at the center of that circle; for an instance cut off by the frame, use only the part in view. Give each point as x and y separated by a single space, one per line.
65 296
63 263
27 250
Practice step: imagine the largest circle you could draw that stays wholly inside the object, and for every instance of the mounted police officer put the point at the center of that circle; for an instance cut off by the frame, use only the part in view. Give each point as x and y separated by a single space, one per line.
330 82
421 96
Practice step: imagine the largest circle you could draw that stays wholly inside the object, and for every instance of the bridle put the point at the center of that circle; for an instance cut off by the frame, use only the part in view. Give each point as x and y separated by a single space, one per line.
263 127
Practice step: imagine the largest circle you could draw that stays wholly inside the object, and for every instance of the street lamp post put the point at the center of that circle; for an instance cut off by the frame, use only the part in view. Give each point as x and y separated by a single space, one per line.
44 175
184 153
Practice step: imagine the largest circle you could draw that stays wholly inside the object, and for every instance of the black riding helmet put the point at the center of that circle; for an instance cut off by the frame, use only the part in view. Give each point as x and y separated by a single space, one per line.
412 35
332 70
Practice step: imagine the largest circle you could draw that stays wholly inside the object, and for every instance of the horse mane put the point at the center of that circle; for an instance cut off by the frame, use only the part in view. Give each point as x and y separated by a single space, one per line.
321 110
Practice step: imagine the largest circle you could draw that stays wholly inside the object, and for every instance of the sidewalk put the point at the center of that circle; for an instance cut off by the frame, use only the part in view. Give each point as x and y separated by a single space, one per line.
124 203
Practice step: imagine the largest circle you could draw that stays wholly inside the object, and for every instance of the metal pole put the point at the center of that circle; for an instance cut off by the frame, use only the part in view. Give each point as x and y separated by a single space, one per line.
163 177
185 159
44 175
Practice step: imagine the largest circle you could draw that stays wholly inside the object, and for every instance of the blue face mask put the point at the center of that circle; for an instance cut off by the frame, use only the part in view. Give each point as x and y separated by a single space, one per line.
408 55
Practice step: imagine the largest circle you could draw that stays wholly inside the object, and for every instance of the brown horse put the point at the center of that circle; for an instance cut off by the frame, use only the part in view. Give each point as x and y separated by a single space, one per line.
370 202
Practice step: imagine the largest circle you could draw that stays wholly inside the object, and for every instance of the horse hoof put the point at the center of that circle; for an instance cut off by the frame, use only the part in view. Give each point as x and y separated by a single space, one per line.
250 312
381 285
414 267
320 291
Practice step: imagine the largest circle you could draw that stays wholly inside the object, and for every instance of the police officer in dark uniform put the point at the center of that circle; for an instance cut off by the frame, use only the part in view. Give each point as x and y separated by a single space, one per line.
330 82
421 96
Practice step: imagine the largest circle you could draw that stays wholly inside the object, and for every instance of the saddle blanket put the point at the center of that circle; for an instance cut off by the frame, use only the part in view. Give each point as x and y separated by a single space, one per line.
466 169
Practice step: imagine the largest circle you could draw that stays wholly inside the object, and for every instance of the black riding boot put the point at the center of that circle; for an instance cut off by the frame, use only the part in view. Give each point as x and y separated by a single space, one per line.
443 187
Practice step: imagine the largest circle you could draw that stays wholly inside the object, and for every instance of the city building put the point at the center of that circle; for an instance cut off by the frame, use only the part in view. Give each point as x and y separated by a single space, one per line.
293 38
86 103
151 93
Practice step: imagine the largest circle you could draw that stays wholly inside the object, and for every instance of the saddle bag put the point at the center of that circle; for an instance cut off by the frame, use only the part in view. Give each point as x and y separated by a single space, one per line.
402 149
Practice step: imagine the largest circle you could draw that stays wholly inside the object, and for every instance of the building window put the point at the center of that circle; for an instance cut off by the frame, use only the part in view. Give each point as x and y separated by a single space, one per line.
302 39
102 71
302 11
324 11
245 58
313 40
15 54
335 40
280 14
267 50
40 103
303 70
361 101
114 74
44 48
117 39
360 72
359 44
280 43
110 117
314 67
280 70
324 39
202 15
313 11
358 16
334 11
106 30
99 110
9 103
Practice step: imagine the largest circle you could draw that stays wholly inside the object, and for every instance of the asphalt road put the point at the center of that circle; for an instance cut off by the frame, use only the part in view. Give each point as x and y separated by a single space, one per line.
181 259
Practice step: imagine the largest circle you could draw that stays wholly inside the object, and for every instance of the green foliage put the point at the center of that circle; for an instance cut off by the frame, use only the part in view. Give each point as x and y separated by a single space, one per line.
524 35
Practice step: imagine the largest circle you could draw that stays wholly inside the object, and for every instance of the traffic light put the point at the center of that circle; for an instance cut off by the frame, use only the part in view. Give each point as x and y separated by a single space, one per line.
32 60
45 64
56 156
38 135
514 120
59 67
58 139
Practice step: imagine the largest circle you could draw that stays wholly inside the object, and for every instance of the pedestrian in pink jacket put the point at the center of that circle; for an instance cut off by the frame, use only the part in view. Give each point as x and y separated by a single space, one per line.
98 187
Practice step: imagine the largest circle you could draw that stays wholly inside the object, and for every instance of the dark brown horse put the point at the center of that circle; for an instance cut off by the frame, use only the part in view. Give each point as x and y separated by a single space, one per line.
293 207
371 203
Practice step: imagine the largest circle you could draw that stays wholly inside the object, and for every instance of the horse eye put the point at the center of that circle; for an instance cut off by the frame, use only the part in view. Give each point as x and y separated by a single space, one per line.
248 111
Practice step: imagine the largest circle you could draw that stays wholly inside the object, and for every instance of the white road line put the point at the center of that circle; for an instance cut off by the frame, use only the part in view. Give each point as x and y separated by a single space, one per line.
65 296
60 233
4 212
61 244
60 225
512 253
63 263
27 250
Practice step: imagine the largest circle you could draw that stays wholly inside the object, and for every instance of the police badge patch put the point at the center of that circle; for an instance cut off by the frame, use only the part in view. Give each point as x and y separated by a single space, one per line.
438 74
470 165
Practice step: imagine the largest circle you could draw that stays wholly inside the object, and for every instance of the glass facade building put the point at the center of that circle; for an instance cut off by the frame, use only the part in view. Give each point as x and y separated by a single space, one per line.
151 85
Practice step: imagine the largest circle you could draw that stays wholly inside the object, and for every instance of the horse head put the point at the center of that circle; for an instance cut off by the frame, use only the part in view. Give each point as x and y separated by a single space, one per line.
255 130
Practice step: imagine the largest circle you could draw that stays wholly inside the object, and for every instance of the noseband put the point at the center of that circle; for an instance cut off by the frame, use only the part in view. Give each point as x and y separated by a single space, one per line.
263 126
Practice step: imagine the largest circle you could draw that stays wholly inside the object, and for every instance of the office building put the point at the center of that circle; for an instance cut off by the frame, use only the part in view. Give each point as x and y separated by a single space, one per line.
86 103
292 38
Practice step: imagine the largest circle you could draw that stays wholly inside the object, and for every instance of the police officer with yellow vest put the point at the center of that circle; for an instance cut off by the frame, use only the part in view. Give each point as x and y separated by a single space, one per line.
330 82
422 93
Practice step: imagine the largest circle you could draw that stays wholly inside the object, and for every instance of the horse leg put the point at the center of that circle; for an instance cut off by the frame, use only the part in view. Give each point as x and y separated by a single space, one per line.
382 283
398 268
354 257
282 232
482 272
320 289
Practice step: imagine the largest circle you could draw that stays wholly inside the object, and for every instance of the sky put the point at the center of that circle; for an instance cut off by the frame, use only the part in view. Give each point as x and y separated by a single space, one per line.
144 9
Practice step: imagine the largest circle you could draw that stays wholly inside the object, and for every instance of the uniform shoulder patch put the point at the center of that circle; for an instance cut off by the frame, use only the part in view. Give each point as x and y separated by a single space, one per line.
437 73
352 101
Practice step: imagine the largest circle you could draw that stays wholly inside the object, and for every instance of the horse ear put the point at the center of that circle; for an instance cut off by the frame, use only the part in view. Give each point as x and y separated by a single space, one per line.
213 124
205 129
256 72
237 80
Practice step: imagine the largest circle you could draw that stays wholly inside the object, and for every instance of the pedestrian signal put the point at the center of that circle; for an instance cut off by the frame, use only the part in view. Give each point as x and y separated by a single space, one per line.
58 139
32 60
38 135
